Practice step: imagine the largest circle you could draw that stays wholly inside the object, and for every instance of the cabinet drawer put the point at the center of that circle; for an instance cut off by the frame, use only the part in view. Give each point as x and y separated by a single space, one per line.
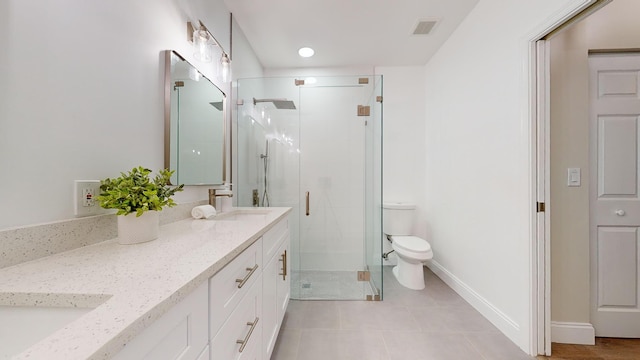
244 325
228 286
271 239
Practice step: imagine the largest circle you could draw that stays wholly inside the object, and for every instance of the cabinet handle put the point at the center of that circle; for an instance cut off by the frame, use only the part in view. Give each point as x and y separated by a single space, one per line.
246 277
306 195
283 258
243 343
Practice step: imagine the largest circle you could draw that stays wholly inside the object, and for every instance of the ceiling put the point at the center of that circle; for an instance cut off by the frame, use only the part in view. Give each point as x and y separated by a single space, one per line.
346 32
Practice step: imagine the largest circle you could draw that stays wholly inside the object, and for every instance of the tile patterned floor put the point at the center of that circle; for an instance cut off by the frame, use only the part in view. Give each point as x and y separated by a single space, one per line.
434 323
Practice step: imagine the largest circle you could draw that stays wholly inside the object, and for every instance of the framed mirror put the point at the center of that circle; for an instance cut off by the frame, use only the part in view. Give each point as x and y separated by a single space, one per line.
194 124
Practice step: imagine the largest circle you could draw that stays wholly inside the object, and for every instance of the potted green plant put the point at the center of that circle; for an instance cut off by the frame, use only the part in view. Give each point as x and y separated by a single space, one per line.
137 193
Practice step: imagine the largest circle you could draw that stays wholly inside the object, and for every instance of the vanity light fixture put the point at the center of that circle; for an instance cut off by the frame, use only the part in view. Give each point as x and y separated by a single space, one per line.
202 40
306 52
225 67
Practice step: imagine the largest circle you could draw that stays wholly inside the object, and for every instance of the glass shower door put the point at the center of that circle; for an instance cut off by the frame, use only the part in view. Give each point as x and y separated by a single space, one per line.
332 146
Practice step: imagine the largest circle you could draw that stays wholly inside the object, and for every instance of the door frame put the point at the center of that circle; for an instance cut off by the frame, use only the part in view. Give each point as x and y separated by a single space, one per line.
539 150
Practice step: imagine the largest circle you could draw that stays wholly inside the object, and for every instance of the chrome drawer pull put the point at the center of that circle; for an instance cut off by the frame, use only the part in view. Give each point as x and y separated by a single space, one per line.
243 343
283 258
246 277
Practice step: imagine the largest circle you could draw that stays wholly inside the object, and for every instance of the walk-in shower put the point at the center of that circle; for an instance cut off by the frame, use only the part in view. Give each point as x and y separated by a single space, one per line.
318 149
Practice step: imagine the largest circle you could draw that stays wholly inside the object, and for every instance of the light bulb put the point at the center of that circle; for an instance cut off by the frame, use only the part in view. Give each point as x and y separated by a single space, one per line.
225 67
201 48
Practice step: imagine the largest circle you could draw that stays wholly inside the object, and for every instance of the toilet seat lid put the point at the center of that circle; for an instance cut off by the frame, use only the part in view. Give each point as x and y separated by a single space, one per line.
411 243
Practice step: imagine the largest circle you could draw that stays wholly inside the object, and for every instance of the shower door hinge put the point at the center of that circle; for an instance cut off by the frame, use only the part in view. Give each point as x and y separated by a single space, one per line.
373 298
379 99
364 110
240 102
178 84
363 81
299 82
364 276
540 207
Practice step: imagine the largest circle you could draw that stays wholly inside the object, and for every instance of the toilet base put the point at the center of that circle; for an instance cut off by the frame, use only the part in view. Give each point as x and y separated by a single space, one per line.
409 275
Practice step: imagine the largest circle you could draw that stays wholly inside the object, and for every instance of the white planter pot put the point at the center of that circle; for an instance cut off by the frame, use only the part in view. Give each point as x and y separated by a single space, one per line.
134 230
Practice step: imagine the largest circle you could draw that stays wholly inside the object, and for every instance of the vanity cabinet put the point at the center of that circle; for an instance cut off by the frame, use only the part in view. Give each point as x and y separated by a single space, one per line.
236 315
181 333
275 284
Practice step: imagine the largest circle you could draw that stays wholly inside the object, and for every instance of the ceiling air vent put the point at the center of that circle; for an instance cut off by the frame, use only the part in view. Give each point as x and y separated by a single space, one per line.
424 27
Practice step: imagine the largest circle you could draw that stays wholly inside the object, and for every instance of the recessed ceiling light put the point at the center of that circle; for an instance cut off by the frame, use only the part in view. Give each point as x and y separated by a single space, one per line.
306 52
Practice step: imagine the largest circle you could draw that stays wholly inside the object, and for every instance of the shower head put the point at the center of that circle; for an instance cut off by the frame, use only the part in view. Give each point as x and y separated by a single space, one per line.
278 103
217 105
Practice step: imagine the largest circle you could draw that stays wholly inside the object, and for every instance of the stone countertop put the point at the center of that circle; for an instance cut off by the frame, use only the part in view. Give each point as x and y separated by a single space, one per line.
131 285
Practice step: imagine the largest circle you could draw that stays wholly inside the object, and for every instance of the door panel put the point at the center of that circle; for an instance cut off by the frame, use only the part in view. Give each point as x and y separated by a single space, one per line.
614 202
617 273
617 160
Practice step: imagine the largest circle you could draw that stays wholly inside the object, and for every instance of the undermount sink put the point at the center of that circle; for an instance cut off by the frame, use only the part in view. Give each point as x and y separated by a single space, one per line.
242 214
23 326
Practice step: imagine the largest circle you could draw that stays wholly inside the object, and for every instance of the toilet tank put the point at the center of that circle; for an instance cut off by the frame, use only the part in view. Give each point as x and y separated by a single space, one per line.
397 218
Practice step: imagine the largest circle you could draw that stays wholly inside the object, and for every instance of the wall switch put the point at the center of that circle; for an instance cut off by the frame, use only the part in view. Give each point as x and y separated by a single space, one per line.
84 197
573 177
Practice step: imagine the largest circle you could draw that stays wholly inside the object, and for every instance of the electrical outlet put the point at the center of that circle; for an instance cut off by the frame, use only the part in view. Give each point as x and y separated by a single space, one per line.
88 197
84 195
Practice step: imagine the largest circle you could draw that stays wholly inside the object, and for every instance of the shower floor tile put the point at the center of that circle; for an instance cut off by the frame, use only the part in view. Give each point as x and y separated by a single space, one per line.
328 285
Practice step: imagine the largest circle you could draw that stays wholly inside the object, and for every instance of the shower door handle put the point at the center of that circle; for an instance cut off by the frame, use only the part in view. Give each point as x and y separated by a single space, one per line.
306 195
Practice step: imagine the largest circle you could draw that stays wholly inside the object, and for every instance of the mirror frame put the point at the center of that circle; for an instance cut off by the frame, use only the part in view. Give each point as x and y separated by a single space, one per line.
167 115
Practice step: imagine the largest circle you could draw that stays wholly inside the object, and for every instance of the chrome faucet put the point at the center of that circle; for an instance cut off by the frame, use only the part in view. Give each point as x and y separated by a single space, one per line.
213 194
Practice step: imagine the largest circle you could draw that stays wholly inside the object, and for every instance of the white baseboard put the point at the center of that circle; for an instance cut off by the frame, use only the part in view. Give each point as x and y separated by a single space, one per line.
573 333
499 319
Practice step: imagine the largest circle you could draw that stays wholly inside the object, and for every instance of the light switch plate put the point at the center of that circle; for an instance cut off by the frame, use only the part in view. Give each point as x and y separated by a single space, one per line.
573 177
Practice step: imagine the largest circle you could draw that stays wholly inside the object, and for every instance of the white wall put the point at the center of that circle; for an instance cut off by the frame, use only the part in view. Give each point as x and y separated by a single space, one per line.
82 94
613 27
478 175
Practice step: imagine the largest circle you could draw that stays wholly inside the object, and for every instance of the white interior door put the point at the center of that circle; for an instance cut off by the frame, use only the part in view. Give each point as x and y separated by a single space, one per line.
614 199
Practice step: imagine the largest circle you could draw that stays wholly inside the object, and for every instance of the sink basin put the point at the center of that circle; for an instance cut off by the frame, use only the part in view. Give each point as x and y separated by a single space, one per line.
23 326
242 215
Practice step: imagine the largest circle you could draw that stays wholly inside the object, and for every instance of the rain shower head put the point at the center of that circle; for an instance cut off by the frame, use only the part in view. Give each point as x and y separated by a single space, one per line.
217 105
278 103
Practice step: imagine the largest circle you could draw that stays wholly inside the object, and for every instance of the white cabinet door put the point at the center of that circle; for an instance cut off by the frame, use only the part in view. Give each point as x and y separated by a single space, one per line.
276 292
181 333
270 306
615 197
283 282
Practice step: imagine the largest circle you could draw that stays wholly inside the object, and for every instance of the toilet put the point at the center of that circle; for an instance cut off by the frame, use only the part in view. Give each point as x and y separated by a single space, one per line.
412 251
